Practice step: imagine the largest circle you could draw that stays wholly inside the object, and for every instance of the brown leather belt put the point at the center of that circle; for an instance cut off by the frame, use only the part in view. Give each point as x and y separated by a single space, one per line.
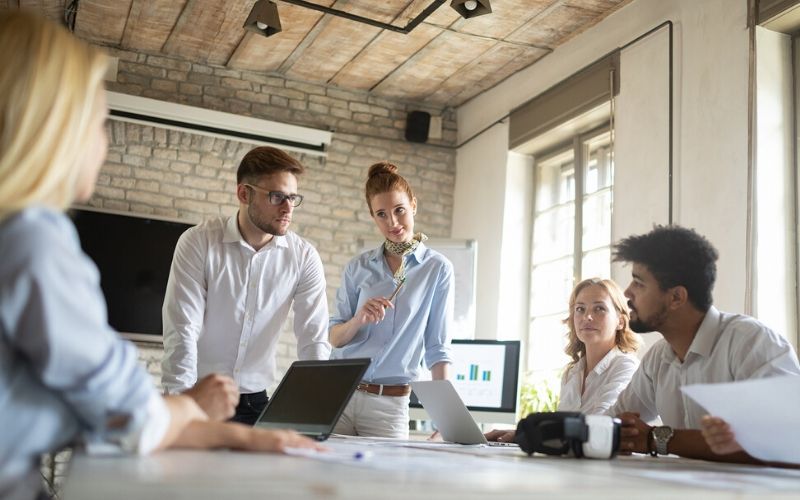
385 390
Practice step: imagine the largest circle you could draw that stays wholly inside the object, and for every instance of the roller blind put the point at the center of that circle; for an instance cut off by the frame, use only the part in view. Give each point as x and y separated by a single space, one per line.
779 15
570 98
768 9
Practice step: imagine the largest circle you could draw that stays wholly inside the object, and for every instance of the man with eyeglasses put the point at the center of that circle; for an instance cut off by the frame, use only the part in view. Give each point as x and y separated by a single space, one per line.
232 282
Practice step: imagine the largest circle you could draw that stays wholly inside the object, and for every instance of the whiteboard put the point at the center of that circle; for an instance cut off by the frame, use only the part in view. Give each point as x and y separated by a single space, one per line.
464 256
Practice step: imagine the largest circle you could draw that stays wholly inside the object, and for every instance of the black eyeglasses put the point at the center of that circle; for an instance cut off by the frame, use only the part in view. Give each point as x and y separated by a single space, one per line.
277 197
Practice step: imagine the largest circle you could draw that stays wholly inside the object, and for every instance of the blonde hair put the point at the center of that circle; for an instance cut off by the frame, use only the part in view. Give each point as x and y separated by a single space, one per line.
625 340
49 90
382 177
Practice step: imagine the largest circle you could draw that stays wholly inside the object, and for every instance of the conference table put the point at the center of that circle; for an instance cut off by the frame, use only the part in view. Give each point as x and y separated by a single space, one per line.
361 468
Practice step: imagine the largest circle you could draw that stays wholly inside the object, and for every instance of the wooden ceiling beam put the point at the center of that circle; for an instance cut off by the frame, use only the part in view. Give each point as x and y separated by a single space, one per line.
444 56
259 53
407 12
307 41
52 9
102 21
493 27
230 33
203 27
173 40
343 39
486 76
443 19
150 24
554 25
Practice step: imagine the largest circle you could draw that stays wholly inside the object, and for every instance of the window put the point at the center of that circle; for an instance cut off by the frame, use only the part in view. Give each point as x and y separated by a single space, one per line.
571 241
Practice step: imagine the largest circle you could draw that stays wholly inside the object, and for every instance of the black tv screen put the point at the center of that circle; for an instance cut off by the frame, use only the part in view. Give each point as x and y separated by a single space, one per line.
134 255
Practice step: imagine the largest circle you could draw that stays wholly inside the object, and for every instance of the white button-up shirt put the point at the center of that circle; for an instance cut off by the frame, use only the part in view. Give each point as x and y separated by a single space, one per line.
726 348
603 384
226 304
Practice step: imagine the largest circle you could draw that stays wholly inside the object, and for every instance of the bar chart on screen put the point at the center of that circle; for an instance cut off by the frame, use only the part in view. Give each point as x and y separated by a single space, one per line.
479 373
485 374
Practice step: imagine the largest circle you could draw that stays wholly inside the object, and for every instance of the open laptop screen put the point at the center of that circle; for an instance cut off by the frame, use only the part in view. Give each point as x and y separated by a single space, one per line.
313 393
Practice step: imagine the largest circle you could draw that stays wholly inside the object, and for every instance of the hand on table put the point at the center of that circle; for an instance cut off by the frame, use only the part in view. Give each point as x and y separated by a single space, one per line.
501 435
280 440
436 436
634 434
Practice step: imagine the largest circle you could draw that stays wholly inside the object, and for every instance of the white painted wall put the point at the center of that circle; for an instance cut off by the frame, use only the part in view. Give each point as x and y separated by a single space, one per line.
515 266
641 175
711 81
641 191
479 202
775 261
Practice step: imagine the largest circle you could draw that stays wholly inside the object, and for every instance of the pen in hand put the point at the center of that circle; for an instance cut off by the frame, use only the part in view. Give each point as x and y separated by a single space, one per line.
397 289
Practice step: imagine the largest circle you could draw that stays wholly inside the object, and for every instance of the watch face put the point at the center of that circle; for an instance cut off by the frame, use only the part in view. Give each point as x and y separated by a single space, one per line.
663 432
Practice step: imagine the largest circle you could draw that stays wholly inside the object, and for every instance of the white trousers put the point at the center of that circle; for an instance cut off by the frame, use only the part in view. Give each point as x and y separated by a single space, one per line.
371 415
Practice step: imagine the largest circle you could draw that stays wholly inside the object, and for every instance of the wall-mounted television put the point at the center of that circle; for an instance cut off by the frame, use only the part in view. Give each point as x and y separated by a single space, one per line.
134 255
485 373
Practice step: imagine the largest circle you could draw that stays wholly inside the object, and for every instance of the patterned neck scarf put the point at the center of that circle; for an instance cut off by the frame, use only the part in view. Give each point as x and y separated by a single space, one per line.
403 249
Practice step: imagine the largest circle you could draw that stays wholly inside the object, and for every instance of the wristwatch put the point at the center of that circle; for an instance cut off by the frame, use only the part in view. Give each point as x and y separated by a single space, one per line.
661 436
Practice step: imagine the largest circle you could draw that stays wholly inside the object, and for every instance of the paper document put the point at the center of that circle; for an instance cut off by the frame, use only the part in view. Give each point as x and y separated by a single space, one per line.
762 412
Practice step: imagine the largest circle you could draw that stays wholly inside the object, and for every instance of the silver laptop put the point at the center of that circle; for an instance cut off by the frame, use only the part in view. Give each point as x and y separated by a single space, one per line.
312 396
448 412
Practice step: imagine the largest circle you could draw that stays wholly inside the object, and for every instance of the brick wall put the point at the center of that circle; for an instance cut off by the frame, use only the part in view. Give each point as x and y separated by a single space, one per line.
190 177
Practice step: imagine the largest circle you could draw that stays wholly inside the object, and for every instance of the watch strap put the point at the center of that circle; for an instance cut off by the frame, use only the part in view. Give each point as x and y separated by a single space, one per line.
651 443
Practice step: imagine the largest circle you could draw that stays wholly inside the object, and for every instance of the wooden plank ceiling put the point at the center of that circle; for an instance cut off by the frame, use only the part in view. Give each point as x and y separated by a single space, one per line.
445 60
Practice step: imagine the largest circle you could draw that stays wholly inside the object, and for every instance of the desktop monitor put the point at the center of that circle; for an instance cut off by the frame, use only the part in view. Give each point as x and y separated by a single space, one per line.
134 255
485 373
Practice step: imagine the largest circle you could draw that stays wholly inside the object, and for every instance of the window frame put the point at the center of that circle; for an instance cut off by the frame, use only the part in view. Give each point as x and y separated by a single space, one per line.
579 144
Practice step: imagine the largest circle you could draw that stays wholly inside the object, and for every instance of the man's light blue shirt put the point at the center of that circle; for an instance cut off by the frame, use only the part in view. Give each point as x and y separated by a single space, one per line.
419 324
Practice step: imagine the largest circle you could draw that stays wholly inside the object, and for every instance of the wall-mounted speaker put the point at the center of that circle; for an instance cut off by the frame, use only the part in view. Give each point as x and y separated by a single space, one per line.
418 125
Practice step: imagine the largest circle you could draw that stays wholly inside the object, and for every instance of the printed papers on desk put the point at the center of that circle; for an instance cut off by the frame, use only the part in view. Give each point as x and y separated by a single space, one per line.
400 455
762 413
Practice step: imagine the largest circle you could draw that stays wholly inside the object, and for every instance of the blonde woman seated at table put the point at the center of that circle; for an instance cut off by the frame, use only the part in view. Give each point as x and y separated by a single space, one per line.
602 347
65 375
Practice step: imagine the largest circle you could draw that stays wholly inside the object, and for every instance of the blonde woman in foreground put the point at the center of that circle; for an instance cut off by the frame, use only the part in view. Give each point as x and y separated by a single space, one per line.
602 347
65 375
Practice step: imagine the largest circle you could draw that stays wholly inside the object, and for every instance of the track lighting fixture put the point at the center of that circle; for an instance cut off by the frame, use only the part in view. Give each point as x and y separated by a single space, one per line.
263 19
471 8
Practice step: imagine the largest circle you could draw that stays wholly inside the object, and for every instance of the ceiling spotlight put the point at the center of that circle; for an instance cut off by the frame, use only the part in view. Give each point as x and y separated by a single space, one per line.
471 8
263 19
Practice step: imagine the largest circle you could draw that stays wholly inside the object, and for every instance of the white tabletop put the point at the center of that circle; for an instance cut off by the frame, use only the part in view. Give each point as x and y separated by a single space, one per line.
414 470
